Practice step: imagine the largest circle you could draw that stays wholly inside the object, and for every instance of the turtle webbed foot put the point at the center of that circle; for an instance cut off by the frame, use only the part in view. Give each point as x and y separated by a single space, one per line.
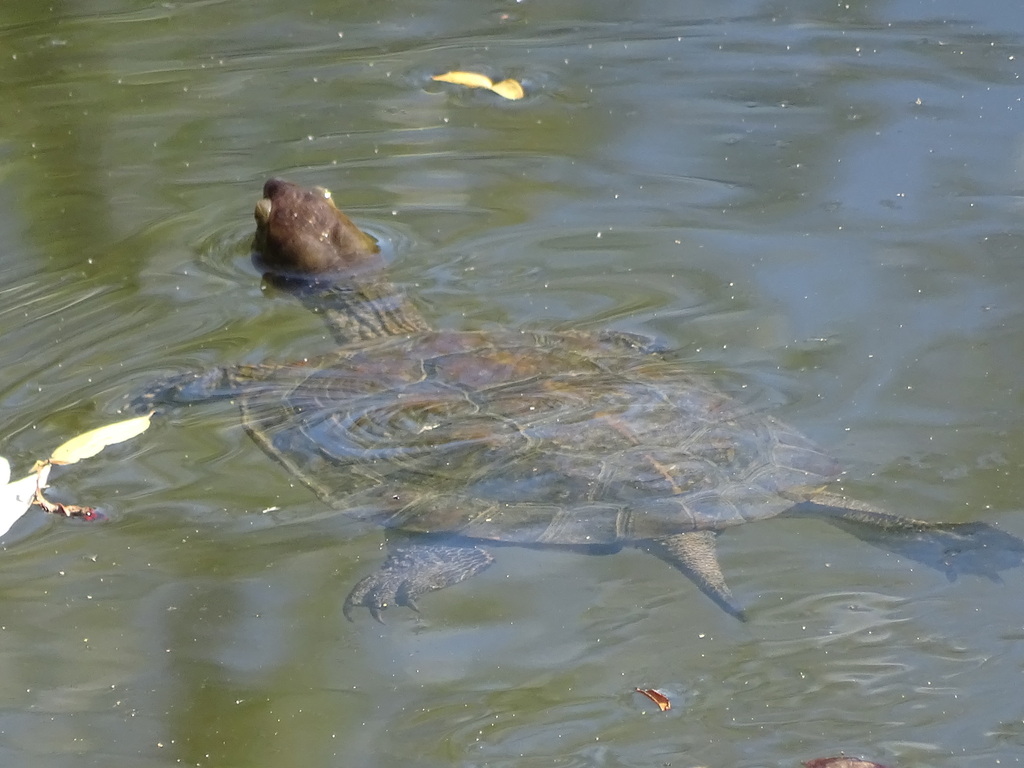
972 548
976 548
411 570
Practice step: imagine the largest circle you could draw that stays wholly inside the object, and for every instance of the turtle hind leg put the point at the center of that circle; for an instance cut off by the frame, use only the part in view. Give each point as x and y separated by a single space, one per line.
952 548
412 569
694 554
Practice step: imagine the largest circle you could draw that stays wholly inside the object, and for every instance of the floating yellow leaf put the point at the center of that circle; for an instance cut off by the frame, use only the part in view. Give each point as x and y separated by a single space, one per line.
508 89
91 443
468 79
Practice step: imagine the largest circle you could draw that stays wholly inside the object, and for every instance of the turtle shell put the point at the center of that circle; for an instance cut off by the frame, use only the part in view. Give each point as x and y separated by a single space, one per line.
552 438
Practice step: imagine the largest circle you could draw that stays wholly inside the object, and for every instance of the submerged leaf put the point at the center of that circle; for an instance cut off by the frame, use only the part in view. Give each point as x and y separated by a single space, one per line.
659 698
840 762
508 89
5 471
94 441
17 497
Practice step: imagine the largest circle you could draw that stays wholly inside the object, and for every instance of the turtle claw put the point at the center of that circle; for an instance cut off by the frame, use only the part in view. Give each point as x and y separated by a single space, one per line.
372 594
410 571
410 603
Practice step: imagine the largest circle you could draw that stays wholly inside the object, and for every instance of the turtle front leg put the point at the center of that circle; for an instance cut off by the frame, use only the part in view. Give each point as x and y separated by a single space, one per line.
215 384
413 569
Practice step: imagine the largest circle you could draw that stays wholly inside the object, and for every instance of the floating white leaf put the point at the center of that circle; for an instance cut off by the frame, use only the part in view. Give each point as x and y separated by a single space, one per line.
94 441
16 497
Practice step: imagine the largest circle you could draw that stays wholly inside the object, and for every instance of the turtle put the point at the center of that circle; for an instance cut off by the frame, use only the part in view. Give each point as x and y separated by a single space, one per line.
459 440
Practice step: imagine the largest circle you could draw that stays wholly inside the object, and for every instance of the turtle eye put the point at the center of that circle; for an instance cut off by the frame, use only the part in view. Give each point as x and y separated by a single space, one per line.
324 191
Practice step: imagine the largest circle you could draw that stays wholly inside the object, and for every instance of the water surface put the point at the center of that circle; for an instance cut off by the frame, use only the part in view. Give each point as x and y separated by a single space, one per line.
821 201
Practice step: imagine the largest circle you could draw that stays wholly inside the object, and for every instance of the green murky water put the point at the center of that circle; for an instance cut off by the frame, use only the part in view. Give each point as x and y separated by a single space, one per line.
823 199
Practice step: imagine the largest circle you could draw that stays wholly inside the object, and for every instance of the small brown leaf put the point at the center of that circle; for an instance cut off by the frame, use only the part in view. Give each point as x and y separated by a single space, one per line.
508 89
92 442
657 697
89 514
840 762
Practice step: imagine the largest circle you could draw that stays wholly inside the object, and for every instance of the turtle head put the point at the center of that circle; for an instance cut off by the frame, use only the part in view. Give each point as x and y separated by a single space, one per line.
301 234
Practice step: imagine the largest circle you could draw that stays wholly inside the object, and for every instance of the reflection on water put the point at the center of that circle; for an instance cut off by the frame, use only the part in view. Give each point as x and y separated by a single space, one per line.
822 201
